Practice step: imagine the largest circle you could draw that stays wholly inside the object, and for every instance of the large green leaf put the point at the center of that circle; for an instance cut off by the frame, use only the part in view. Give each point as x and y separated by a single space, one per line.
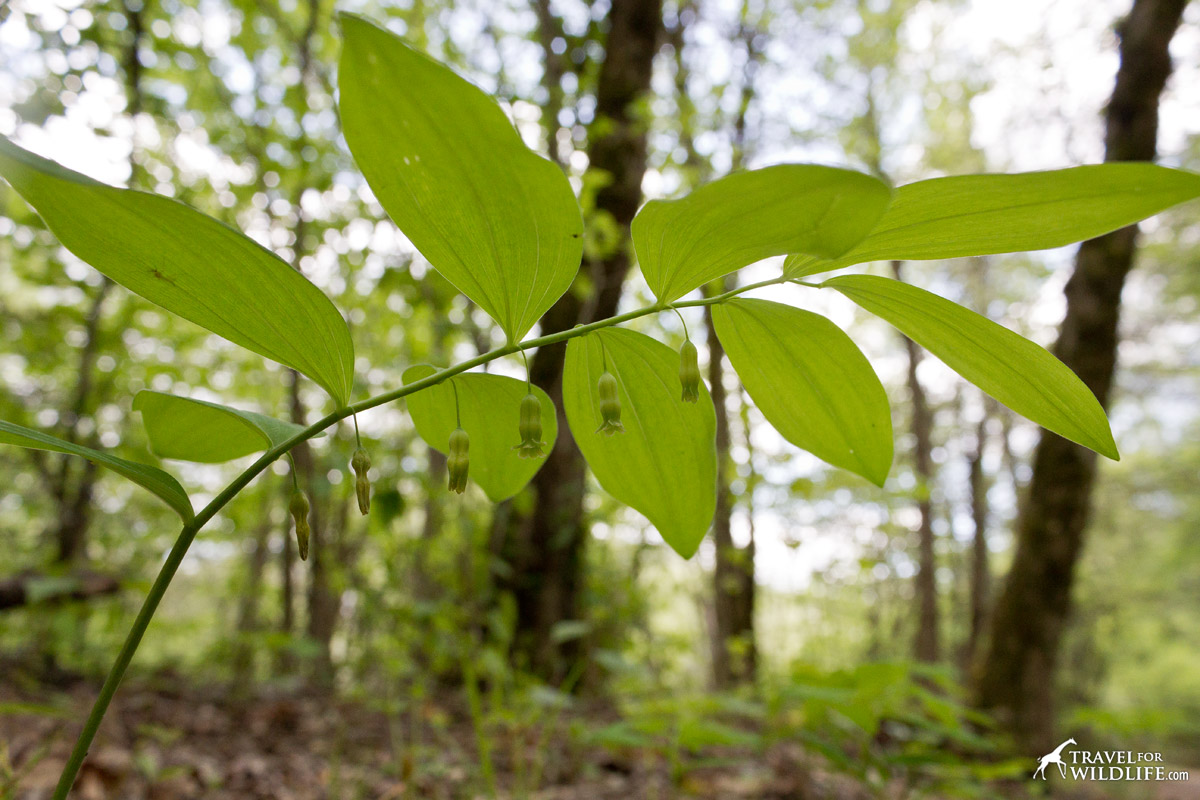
490 406
195 430
973 215
748 216
665 463
191 265
497 220
165 487
811 382
1020 374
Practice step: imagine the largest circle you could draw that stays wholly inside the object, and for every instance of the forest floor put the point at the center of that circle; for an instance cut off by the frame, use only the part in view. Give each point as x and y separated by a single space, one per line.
159 744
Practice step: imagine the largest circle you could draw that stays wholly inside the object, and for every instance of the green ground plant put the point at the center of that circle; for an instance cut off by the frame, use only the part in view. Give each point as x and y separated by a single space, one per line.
503 225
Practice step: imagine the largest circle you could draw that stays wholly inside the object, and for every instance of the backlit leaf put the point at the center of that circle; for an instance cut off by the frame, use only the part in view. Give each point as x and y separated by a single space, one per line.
748 216
165 487
490 406
195 430
972 215
1020 374
665 463
191 265
497 220
811 382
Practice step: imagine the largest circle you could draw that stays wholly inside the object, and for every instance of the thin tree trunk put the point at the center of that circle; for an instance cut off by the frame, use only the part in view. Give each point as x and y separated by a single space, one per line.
75 487
548 29
926 646
242 660
735 658
287 597
545 548
980 580
322 607
424 588
1018 673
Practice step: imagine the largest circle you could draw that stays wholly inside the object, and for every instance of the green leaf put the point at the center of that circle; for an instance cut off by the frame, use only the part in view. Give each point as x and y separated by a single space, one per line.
748 216
490 406
1020 374
811 382
165 487
191 265
665 463
974 215
195 430
500 222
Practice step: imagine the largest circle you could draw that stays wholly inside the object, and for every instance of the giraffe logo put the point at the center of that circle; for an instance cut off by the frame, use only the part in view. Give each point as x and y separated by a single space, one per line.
1053 758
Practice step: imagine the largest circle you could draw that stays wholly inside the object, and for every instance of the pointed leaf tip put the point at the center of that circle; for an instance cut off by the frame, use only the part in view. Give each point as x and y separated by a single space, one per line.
160 483
192 265
811 382
664 463
1015 371
497 220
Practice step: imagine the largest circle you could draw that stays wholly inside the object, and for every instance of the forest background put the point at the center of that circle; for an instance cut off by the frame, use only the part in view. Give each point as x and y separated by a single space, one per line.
829 635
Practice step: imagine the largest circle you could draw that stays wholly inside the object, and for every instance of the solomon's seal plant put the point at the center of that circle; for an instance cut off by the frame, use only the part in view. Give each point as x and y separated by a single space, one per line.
689 372
503 225
360 462
298 507
530 428
458 461
610 405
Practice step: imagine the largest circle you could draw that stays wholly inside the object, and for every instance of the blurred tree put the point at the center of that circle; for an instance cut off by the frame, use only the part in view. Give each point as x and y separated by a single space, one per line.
735 650
1018 672
544 546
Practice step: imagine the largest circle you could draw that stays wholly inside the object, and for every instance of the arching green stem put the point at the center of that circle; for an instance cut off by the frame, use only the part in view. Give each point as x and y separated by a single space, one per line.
184 541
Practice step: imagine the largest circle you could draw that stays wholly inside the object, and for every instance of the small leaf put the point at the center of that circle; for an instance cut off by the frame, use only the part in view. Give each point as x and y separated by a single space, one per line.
665 463
748 216
500 222
811 382
165 487
490 406
209 433
1020 374
191 265
974 215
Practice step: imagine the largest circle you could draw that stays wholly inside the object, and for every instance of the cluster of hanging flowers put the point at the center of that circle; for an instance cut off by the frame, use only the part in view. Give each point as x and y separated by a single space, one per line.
529 427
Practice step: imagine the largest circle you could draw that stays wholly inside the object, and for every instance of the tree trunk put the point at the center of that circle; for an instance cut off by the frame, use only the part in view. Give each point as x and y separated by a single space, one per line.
926 646
242 660
735 654
322 606
545 548
285 663
980 580
735 657
1017 677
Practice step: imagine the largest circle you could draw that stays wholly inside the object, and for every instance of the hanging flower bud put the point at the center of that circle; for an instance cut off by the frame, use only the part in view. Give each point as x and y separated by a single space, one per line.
689 372
361 464
610 406
457 462
531 428
299 509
